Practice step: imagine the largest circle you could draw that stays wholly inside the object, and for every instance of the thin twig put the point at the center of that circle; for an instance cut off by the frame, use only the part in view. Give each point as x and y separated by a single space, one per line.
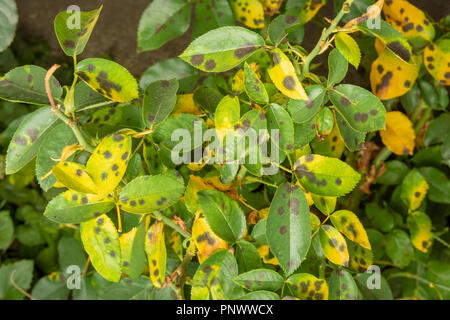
48 76
86 266
11 278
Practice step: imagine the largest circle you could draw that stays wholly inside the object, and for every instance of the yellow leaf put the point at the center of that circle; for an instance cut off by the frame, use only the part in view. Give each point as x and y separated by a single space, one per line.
419 225
185 104
348 223
315 222
307 194
126 248
413 189
272 6
249 12
205 240
267 256
195 185
74 176
437 60
399 136
155 246
307 287
176 242
284 77
333 245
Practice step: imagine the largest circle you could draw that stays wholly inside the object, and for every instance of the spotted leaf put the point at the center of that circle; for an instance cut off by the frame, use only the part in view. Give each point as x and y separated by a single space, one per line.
360 258
109 161
27 84
326 205
76 207
304 110
324 121
342 286
161 22
259 295
392 77
159 100
226 116
305 286
73 39
288 227
419 225
348 224
205 239
222 49
410 21
108 78
437 60
249 12
155 246
147 194
281 127
348 47
331 146
101 242
304 9
74 176
284 77
353 139
413 189
28 138
211 14
176 243
399 136
359 107
223 215
214 277
254 87
260 279
325 176
272 6
132 246
281 26
334 245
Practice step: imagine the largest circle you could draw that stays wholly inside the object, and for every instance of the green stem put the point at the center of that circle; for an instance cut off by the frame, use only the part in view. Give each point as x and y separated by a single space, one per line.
169 222
345 9
381 157
415 277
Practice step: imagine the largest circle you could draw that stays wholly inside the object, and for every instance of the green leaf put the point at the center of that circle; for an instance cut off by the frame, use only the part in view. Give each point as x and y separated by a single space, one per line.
419 225
70 252
254 87
172 68
23 274
76 207
147 194
280 27
6 230
159 99
223 214
259 232
337 66
304 133
8 22
325 176
399 248
73 40
301 110
380 218
348 47
288 227
222 49
324 121
326 205
260 279
279 119
27 84
260 295
132 246
437 126
382 293
108 78
28 137
247 256
342 286
211 14
353 139
85 97
439 184
359 107
101 242
51 287
161 22
394 173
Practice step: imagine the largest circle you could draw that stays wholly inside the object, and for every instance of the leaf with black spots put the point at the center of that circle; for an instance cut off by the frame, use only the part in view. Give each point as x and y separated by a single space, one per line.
260 279
76 207
305 286
281 127
348 223
353 139
324 121
331 146
413 189
342 286
159 100
222 49
304 9
359 107
260 295
304 110
360 258
333 245
147 194
226 116
249 12
436 58
419 225
254 87
304 133
325 176
205 239
288 227
211 14
108 78
28 137
74 176
326 205
281 26
74 37
101 242
27 84
86 98
155 246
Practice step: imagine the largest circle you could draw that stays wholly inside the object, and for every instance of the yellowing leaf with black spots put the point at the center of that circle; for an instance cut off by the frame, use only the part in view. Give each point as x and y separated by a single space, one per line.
101 242
132 246
155 246
342 286
260 279
108 163
74 176
399 136
331 146
254 87
349 48
194 185
288 227
326 205
176 243
436 58
325 176
410 21
267 256
76 207
108 78
237 83
226 116
302 111
284 77
305 286
73 40
272 6
222 49
353 139
392 77
360 258
419 225
334 245
413 189
348 223
307 194
249 12
186 104
315 222
205 239
147 194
